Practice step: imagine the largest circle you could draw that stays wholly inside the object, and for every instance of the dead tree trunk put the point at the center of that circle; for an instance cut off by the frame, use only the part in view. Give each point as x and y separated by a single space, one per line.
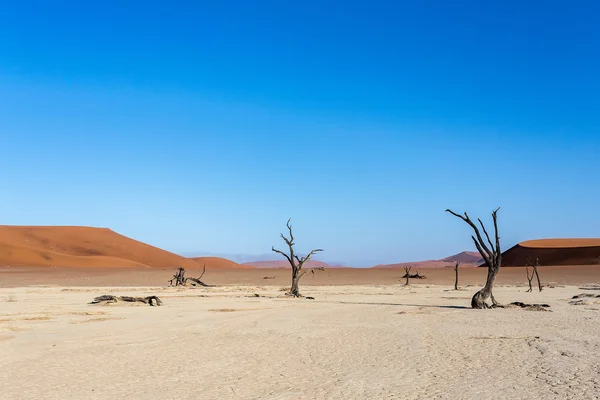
537 275
529 278
492 256
407 274
296 262
178 278
456 279
535 266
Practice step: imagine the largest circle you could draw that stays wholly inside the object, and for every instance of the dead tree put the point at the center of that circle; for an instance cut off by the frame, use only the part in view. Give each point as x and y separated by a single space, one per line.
407 274
180 279
492 256
535 266
529 278
296 262
456 279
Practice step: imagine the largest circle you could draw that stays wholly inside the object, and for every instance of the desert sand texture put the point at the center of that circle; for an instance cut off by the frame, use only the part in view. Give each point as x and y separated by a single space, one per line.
350 342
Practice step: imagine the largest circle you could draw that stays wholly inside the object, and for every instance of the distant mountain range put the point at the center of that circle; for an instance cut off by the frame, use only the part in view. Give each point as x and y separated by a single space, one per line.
466 258
286 264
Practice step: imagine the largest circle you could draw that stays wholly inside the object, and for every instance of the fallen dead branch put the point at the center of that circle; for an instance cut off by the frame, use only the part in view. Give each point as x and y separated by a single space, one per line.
586 295
407 274
530 307
109 299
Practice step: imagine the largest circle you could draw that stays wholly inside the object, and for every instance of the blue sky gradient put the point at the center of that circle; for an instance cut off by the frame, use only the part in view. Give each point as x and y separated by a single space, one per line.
202 127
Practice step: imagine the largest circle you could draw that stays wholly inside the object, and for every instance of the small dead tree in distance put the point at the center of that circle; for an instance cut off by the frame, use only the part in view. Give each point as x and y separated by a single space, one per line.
456 279
535 266
296 262
179 278
407 274
492 256
529 278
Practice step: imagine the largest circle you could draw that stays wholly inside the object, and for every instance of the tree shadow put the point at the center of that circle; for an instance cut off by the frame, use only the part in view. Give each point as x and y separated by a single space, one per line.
401 304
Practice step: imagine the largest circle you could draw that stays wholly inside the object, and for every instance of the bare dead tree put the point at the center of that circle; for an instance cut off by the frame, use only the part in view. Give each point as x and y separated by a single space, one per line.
535 266
456 271
529 278
491 254
296 262
408 275
179 279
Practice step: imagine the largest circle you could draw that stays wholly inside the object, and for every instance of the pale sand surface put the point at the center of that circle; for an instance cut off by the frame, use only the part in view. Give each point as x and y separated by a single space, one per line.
351 342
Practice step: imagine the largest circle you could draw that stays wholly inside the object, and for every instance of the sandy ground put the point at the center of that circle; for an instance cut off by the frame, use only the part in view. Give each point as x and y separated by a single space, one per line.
351 342
25 276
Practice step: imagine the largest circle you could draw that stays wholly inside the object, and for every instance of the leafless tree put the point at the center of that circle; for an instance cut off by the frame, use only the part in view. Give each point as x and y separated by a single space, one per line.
535 272
529 277
456 279
179 279
407 274
296 262
491 254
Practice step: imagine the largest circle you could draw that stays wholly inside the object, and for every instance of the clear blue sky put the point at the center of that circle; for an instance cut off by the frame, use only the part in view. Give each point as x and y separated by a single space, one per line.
203 126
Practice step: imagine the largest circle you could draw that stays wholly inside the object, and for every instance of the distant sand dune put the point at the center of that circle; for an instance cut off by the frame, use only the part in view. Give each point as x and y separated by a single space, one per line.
554 252
466 258
78 246
218 262
286 264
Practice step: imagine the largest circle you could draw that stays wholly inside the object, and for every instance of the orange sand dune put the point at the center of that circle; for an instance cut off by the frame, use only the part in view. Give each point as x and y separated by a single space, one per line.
554 252
218 262
78 246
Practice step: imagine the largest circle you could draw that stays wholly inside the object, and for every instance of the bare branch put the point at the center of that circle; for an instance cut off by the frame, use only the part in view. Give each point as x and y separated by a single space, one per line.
305 259
486 234
475 229
283 254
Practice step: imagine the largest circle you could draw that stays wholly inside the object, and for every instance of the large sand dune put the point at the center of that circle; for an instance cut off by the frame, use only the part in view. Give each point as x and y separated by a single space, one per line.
78 246
554 252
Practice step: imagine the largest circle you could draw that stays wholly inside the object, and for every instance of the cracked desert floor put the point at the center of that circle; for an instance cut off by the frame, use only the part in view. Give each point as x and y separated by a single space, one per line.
350 342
